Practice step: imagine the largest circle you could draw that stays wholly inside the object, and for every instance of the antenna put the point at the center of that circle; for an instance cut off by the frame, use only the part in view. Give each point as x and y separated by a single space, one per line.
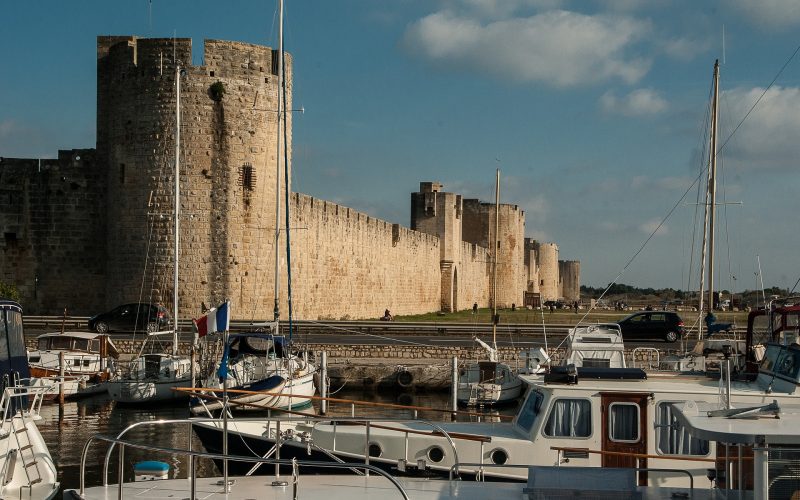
723 44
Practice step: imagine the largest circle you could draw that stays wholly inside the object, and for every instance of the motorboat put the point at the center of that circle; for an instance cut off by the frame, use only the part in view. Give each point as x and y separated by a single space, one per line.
88 359
607 410
27 470
488 382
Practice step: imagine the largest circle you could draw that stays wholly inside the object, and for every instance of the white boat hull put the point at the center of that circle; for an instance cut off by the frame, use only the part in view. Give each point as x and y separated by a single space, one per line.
143 391
294 393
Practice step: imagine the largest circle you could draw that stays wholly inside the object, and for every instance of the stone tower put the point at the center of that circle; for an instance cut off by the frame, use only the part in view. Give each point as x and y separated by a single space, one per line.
548 271
228 170
570 275
439 213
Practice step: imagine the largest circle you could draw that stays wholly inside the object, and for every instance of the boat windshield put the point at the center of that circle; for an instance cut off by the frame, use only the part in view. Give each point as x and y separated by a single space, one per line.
781 361
530 410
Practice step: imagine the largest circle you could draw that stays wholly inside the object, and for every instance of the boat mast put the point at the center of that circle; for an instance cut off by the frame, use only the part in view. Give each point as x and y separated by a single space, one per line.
496 244
177 205
276 308
709 210
712 187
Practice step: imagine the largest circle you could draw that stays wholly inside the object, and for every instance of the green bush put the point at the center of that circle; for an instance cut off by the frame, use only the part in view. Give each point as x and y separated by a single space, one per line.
216 91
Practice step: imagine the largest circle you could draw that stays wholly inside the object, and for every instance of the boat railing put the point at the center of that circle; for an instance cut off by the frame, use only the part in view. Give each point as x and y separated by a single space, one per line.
19 391
194 454
210 394
271 423
646 352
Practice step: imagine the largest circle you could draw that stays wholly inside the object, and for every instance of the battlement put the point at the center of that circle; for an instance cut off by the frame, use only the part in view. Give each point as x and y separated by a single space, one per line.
221 58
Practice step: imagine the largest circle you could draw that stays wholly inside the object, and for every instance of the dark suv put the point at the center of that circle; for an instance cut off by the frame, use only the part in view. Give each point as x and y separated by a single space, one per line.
131 318
652 325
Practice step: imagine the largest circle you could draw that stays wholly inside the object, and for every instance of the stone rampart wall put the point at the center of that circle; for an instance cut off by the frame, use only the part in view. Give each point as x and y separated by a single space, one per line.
350 265
52 231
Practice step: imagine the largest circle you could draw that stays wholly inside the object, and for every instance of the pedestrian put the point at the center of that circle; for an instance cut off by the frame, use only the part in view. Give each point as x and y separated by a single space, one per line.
475 308
575 305
552 307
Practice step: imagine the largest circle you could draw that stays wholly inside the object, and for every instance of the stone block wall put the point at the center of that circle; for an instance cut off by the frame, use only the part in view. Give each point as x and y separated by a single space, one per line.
353 266
52 231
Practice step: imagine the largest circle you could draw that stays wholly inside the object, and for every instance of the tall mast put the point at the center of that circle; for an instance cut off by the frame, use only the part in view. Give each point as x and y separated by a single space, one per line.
177 205
496 244
712 187
276 309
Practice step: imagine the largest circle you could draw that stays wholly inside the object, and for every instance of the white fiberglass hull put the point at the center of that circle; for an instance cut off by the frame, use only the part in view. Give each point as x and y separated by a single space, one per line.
143 391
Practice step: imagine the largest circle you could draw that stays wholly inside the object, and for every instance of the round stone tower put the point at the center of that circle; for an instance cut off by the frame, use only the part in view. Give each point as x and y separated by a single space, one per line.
548 271
511 279
570 273
229 161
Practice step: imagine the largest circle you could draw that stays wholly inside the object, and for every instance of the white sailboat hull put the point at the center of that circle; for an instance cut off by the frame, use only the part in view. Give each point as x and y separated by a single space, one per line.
294 393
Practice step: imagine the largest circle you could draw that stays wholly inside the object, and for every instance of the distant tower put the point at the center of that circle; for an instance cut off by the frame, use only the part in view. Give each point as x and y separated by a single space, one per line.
548 271
438 213
570 274
532 265
228 165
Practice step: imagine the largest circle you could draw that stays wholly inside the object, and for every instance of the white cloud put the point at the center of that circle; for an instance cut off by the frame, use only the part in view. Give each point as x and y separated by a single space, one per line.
768 137
498 9
558 48
640 102
684 49
651 225
769 13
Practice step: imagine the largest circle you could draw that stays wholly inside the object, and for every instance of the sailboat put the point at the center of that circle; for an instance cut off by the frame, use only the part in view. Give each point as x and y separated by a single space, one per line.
152 377
263 363
489 383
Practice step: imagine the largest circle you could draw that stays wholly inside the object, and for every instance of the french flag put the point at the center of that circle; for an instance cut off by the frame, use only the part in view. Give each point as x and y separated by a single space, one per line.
217 319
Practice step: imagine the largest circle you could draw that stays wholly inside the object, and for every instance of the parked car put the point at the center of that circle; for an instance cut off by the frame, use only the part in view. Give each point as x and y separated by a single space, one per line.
137 317
652 325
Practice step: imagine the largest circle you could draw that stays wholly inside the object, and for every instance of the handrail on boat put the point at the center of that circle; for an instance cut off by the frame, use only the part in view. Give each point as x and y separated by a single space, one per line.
198 391
438 430
217 456
560 449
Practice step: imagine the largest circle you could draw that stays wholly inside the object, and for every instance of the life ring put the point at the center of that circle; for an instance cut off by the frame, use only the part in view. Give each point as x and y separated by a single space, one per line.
404 378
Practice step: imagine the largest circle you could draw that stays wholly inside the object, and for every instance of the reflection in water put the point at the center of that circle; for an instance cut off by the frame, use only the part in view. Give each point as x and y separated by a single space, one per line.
66 430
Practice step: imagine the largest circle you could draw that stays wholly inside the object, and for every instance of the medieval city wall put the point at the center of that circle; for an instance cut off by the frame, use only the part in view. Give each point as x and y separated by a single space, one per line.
348 264
474 276
52 231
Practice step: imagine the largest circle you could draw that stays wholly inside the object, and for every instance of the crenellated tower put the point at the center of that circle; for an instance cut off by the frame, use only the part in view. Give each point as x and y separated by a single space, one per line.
228 166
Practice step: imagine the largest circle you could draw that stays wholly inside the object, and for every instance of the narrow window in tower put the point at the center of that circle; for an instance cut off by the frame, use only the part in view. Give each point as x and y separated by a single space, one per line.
247 176
122 173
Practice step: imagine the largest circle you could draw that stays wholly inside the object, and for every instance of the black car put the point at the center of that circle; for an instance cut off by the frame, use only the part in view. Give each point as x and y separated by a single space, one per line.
652 325
137 317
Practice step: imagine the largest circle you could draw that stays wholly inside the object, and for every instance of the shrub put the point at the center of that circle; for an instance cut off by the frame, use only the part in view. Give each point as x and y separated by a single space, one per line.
216 91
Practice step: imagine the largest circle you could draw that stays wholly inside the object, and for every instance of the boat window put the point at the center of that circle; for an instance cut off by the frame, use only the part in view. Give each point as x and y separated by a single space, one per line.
16 339
61 343
672 437
94 346
781 361
530 410
4 313
623 422
82 344
44 344
569 418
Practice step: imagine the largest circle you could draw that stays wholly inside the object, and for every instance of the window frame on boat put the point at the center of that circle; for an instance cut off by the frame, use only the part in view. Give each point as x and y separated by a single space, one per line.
674 425
636 427
551 408
531 406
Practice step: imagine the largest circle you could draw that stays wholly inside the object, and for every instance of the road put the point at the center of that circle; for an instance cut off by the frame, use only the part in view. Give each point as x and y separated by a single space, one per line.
436 334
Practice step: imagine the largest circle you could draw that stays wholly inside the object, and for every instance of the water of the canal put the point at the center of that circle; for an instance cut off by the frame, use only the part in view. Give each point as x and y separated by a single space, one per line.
66 430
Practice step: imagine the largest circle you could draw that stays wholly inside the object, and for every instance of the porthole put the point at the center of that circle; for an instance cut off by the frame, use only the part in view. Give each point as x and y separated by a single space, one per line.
375 450
435 454
498 456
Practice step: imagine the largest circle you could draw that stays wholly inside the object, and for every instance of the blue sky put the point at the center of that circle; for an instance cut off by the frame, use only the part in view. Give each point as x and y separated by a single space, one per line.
593 110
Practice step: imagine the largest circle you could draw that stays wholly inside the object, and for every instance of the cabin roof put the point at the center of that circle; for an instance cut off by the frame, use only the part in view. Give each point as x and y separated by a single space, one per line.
757 431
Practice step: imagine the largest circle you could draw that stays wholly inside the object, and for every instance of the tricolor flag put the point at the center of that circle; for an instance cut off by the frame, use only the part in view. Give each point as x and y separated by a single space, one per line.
216 319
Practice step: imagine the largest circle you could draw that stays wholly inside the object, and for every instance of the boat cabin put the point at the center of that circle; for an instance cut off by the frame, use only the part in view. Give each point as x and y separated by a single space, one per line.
596 346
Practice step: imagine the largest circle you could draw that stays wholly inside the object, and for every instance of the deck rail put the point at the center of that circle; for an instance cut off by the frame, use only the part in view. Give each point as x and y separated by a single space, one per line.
194 454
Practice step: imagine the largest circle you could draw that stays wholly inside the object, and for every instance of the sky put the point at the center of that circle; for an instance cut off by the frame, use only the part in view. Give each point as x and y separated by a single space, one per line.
595 112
